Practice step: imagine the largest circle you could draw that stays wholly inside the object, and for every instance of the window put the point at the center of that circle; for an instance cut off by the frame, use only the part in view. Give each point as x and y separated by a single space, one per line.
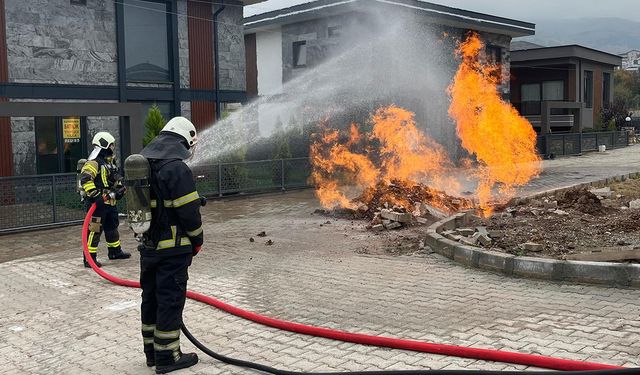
334 31
588 88
606 89
553 90
494 56
530 98
59 143
299 54
146 39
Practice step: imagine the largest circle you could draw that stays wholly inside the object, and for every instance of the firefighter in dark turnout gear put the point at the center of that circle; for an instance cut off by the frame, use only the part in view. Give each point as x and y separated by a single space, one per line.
102 184
175 236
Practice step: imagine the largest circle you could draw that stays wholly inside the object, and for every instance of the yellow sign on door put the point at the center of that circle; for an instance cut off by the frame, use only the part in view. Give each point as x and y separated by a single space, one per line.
71 128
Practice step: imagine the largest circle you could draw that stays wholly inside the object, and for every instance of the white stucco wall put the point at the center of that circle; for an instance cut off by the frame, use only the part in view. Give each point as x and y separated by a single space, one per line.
269 61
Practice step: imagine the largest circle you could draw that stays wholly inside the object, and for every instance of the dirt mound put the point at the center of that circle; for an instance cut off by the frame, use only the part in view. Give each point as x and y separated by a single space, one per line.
581 200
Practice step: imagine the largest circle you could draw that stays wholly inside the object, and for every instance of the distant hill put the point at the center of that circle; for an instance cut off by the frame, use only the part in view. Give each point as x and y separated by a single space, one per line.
613 35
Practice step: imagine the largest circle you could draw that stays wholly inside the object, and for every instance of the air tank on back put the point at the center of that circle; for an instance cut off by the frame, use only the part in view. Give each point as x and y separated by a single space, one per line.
138 194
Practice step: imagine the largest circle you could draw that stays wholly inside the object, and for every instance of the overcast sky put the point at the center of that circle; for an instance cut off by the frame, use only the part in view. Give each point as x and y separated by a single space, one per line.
524 10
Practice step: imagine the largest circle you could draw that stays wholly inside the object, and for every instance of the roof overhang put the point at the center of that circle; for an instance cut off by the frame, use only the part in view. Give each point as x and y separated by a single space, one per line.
558 53
432 13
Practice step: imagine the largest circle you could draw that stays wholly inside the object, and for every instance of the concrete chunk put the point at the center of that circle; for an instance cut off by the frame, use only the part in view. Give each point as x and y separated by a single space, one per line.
465 231
483 238
604 192
393 225
550 204
377 228
635 204
469 241
531 246
396 216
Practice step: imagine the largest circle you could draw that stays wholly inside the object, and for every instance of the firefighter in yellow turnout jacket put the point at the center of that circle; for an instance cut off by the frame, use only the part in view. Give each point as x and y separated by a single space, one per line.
175 236
102 184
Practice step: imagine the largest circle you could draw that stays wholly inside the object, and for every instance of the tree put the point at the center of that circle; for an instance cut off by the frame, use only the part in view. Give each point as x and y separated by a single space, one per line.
626 88
153 124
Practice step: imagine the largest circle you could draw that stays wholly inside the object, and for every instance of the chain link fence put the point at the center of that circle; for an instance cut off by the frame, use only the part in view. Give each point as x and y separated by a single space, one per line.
31 202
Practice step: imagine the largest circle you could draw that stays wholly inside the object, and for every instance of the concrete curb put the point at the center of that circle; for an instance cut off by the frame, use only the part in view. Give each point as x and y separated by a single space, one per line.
603 273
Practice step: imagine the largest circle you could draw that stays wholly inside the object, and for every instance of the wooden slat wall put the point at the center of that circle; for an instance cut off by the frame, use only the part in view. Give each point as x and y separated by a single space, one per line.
201 67
6 149
251 58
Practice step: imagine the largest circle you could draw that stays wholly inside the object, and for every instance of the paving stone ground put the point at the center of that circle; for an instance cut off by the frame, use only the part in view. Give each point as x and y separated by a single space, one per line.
58 317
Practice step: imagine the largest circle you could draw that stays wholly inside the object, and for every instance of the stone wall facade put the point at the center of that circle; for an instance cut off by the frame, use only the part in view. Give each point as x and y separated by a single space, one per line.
52 41
231 48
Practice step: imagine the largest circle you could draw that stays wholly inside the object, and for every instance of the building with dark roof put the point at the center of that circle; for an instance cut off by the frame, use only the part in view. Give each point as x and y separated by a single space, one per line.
562 88
97 52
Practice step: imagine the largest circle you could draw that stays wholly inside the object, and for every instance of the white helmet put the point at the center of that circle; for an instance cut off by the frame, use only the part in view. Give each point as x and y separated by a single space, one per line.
104 140
184 128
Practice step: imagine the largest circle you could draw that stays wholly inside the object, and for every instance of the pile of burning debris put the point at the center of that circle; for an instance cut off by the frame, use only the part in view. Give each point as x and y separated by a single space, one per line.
397 204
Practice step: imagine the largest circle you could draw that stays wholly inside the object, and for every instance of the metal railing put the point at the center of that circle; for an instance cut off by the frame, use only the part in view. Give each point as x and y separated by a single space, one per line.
41 201
577 143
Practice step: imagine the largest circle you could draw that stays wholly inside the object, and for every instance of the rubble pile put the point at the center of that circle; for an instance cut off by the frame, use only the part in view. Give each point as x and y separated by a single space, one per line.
399 204
407 195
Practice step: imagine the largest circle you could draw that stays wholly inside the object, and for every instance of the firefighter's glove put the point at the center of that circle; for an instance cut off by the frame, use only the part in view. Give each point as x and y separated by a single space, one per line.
196 250
120 192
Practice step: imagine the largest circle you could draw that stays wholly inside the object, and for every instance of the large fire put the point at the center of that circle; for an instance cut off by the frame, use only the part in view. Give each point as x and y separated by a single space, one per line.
395 153
503 142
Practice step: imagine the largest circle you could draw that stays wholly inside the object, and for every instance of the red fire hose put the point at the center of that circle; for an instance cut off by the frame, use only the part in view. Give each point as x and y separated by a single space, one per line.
380 341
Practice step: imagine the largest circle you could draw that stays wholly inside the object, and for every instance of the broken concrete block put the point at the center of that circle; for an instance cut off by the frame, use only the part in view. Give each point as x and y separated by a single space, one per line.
560 212
377 228
453 236
422 220
604 192
393 225
482 230
469 241
634 204
531 246
496 233
396 216
550 204
483 238
465 231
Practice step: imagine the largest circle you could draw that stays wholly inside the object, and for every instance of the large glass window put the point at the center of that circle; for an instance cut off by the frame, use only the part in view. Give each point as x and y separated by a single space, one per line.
588 88
553 90
146 39
59 143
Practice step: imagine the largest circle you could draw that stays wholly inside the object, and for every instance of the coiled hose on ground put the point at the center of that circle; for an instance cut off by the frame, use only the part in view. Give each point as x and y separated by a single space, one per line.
565 365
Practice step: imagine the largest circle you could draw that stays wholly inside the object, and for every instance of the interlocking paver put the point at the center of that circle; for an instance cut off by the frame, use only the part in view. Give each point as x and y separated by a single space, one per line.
59 317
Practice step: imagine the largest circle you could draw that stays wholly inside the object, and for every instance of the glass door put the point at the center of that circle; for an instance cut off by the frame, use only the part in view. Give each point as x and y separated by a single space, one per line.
60 143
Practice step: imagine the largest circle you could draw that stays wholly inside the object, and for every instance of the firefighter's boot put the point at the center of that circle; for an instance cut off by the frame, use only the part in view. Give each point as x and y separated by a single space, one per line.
95 259
117 253
150 354
185 360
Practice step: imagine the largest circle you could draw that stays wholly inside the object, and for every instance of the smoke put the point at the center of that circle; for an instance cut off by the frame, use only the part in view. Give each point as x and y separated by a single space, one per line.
378 60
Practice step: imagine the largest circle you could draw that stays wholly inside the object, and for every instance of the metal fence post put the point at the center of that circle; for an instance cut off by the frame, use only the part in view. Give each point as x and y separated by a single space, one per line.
282 173
53 198
219 180
580 143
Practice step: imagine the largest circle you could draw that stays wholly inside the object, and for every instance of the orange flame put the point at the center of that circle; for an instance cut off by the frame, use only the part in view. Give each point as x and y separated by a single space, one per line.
503 142
395 150
396 153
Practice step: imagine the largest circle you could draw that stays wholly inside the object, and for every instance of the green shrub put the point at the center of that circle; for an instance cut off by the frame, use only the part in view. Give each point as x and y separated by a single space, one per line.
153 124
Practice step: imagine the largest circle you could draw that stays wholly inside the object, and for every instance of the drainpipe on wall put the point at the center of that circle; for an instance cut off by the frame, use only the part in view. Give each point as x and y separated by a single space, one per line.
215 58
